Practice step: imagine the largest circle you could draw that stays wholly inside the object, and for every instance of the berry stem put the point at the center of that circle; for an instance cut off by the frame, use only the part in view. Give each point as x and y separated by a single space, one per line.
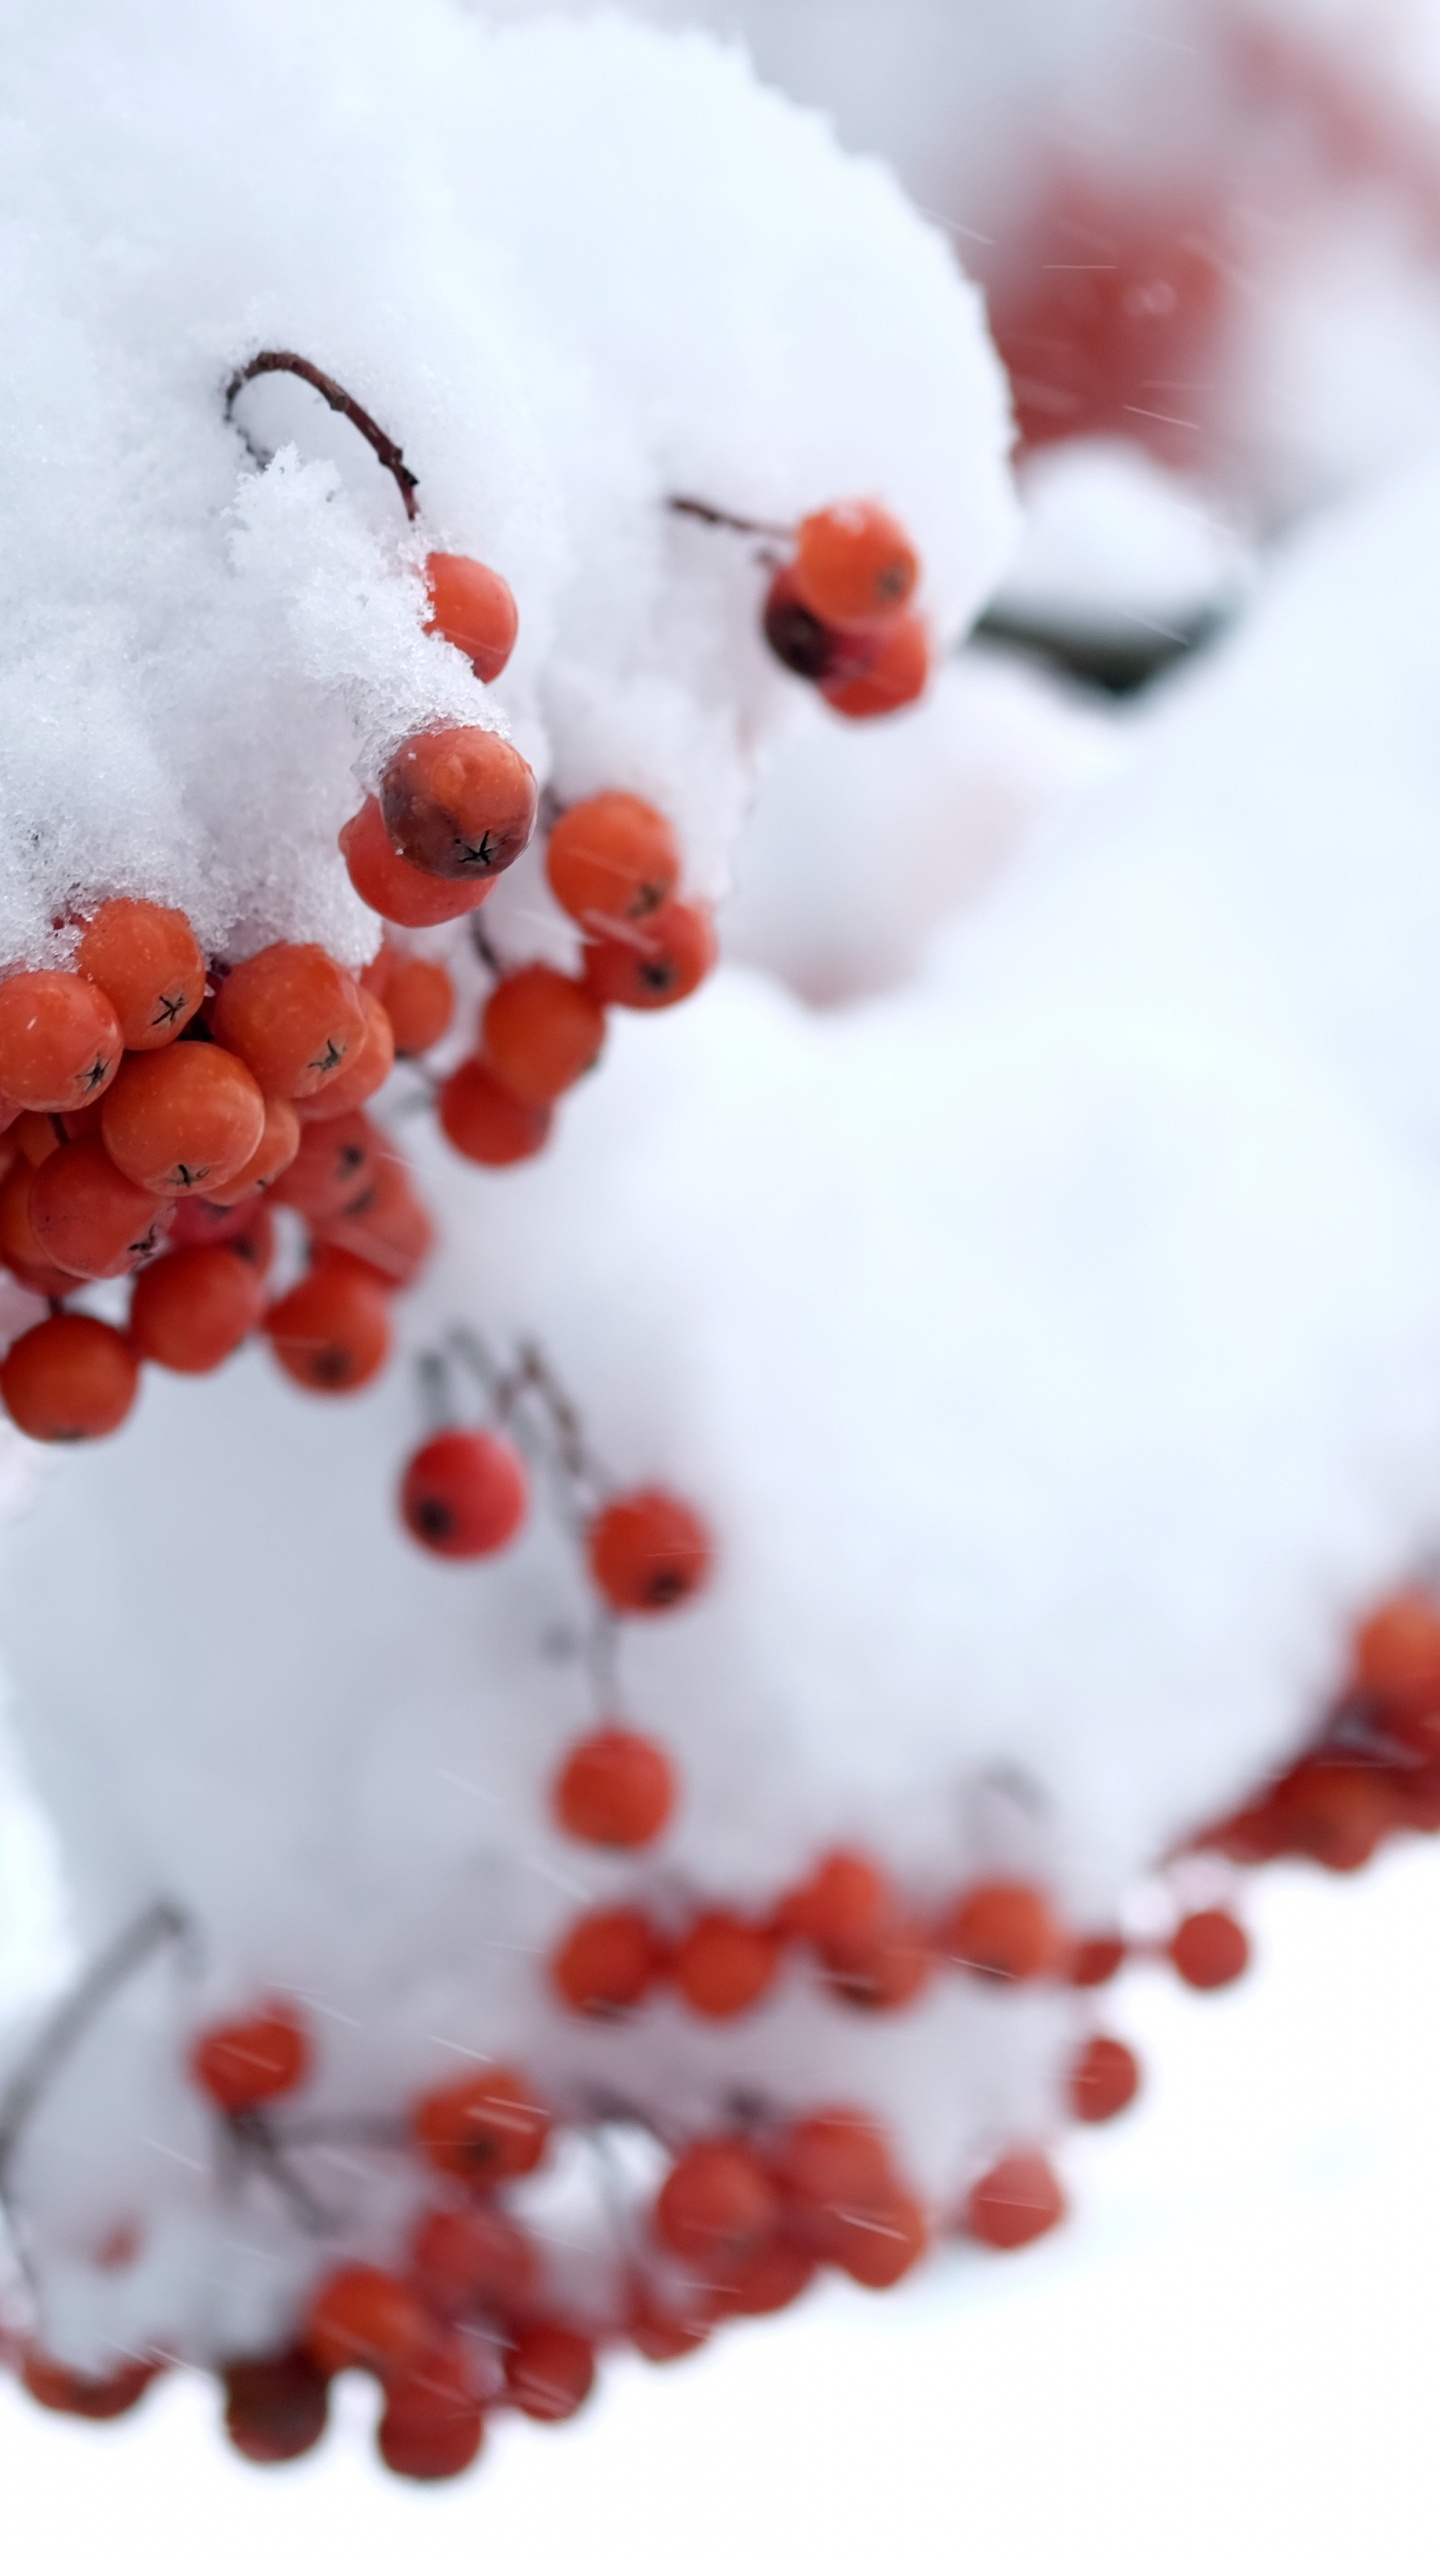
386 451
258 2145
704 513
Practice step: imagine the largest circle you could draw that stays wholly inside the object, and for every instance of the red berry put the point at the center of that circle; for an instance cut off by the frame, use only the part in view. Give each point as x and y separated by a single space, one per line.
246 2061
485 1121
392 887
334 1162
1209 1950
458 803
616 1789
607 1962
661 2331
717 2207
612 859
485 2127
880 2243
89 1218
829 2166
294 1016
1017 2201
331 1332
472 2260
186 1118
723 1966
473 608
190 1311
540 1032
1104 2078
1005 1931
1397 1667
70 1378
888 1973
364 2316
83 2395
364 1071
854 564
279 1145
419 997
809 647
768 2279
464 1494
60 1040
549 2372
20 1246
433 2425
276 2406
1096 1960
657 964
896 676
386 1228
1335 1814
842 1906
148 962
648 1551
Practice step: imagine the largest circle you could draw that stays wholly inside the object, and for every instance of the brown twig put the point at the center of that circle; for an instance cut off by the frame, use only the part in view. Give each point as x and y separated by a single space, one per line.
704 513
386 451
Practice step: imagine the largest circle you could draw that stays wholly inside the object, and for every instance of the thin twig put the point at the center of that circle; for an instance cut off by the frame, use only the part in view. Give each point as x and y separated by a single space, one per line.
257 2143
704 513
386 451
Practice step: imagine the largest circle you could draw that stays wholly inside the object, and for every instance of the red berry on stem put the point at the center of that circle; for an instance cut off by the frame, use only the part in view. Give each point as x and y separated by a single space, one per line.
60 1040
433 2425
653 965
1005 1931
90 1218
334 1162
485 1121
1209 1950
294 1016
459 804
887 1973
662 2331
419 997
186 1118
607 1962
386 1228
364 2316
616 1789
246 2061
717 2206
1017 2201
896 676
279 1145
1096 1960
70 1378
1333 1813
854 564
1104 2078
391 886
648 1551
1397 1666
612 858
331 1332
195 1307
485 2127
473 608
276 2406
768 2279
540 1032
464 1494
20 1246
472 2260
147 961
723 1965
809 647
842 1906
878 2244
549 2372
83 2395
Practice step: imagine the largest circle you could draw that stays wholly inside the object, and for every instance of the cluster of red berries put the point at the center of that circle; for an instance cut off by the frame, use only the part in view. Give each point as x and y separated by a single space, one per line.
839 611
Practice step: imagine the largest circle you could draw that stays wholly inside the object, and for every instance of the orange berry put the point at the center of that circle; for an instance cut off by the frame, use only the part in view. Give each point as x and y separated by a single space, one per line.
717 2206
809 647
89 1218
195 1307
612 859
1332 1813
186 1118
616 1789
1209 1949
279 1145
294 1016
392 887
247 1229
1096 1960
247 2061
896 676
386 1227
485 1121
459 804
276 2407
607 1962
331 1332
1397 1666
1104 2078
722 1965
854 564
842 1906
540 1032
768 2279
147 961
1005 1931
647 1550
334 1163
419 997
364 2316
433 2426
887 1971
60 1040
485 2127
83 2395
464 1494
654 965
70 1378
473 608
20 1246
549 2372
1017 2201
364 1072
828 2163
880 2243
661 2331
472 2260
